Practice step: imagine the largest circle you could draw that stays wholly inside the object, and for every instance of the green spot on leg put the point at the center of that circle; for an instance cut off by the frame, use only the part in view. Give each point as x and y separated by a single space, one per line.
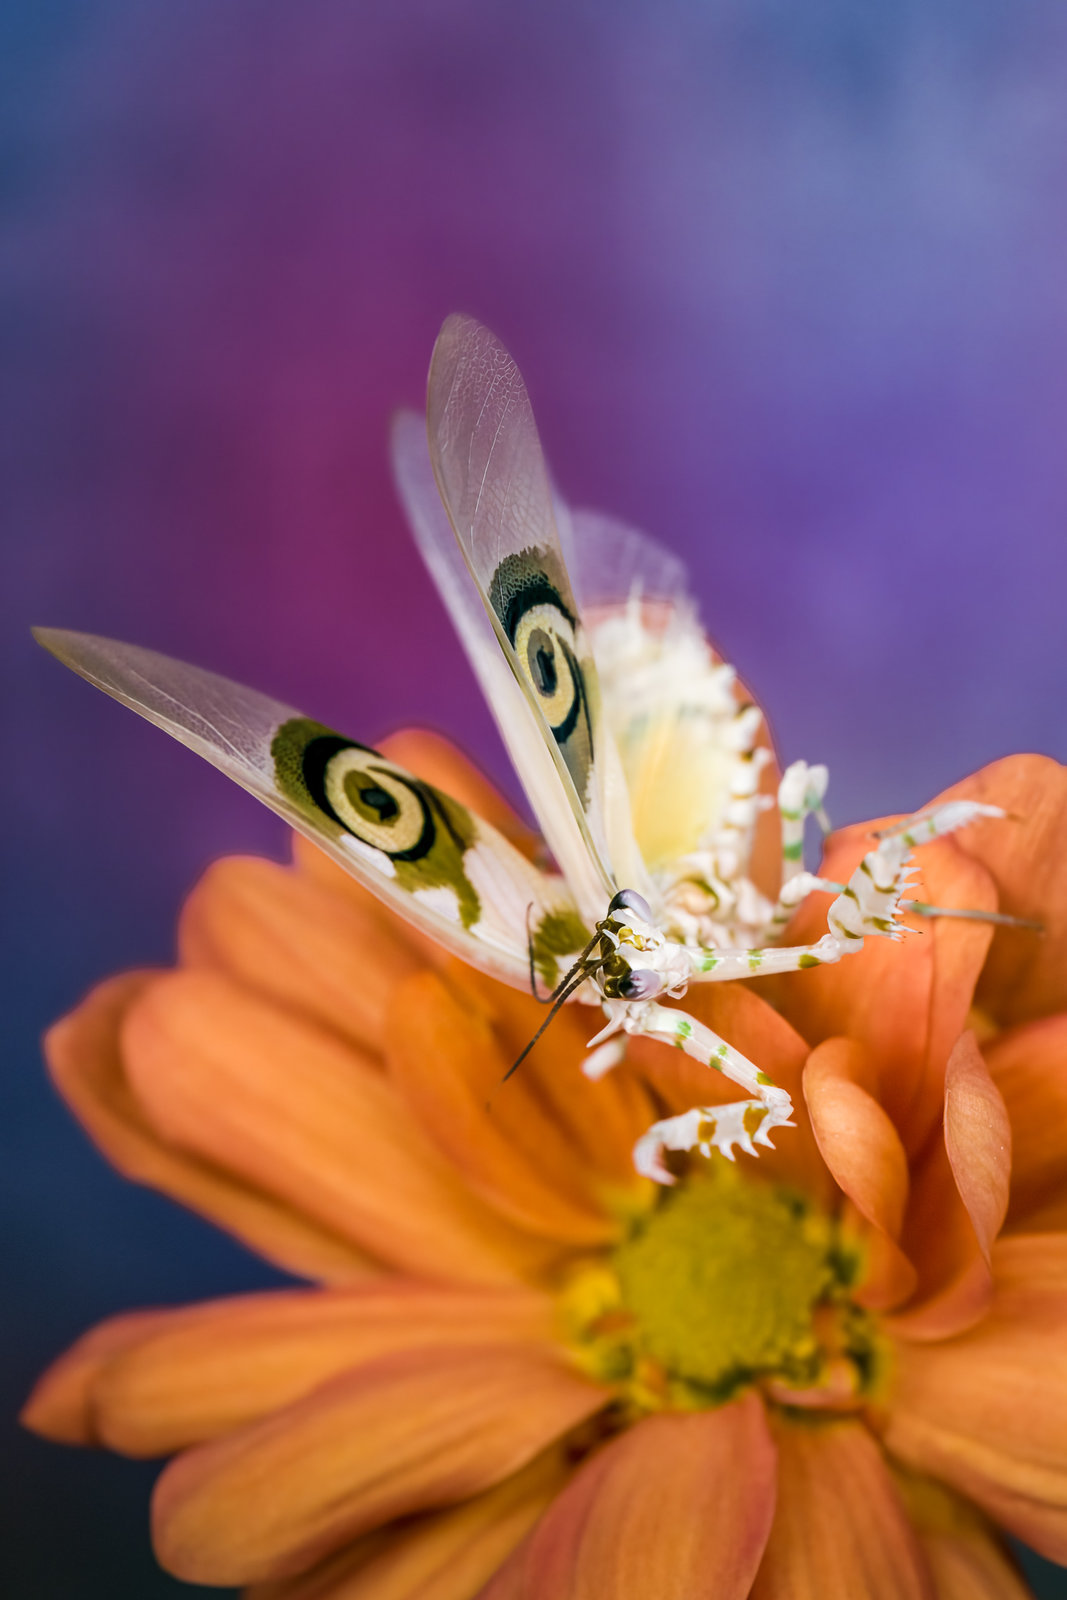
794 851
682 1031
755 960
708 963
761 1077
807 960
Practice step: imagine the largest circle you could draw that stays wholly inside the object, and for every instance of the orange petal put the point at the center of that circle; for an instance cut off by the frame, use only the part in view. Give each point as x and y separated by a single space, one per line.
676 1508
399 1436
863 1151
959 948
600 1122
966 1558
448 1065
1023 977
889 1277
905 1001
840 1531
208 1369
743 1017
445 1555
282 934
857 1141
978 1140
290 1108
955 1284
60 1404
959 1197
84 1056
1028 1067
1030 1267
973 1566
987 1411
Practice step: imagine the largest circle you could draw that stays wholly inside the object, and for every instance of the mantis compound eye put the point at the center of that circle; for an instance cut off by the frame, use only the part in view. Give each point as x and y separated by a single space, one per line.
630 900
640 984
620 981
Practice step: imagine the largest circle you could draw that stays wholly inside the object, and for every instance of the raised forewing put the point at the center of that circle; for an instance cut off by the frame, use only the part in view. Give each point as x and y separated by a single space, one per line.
490 471
520 728
424 854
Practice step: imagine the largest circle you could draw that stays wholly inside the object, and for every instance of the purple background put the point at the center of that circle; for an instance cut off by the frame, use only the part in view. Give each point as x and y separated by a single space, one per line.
788 285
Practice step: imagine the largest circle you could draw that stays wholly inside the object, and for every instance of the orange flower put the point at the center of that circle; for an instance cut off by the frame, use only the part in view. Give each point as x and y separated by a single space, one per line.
523 1372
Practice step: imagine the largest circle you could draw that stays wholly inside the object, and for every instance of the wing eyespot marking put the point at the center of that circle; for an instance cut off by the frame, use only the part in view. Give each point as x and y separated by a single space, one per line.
528 599
346 787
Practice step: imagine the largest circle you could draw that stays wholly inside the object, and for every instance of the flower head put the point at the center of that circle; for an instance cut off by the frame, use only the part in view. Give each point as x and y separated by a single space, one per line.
519 1369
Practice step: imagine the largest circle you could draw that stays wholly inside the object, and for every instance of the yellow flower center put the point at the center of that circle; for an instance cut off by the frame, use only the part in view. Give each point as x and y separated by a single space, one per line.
729 1281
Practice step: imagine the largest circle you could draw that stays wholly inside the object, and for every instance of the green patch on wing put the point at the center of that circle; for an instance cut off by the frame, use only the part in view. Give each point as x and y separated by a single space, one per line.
287 750
559 935
442 866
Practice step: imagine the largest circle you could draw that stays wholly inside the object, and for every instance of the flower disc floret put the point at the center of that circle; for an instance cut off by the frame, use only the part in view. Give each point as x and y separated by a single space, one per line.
729 1281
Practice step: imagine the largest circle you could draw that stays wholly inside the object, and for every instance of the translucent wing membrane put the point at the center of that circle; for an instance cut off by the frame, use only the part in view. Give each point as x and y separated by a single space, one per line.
419 851
613 564
487 461
520 728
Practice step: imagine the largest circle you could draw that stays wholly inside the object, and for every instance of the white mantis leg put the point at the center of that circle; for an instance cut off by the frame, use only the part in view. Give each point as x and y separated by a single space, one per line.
706 1128
800 796
867 906
744 1122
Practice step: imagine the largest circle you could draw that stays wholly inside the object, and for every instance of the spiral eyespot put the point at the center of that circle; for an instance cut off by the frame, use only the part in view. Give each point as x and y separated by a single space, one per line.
367 796
546 656
376 805
630 900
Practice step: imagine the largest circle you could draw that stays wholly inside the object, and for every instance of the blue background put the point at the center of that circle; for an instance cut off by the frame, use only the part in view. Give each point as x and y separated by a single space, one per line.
788 285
